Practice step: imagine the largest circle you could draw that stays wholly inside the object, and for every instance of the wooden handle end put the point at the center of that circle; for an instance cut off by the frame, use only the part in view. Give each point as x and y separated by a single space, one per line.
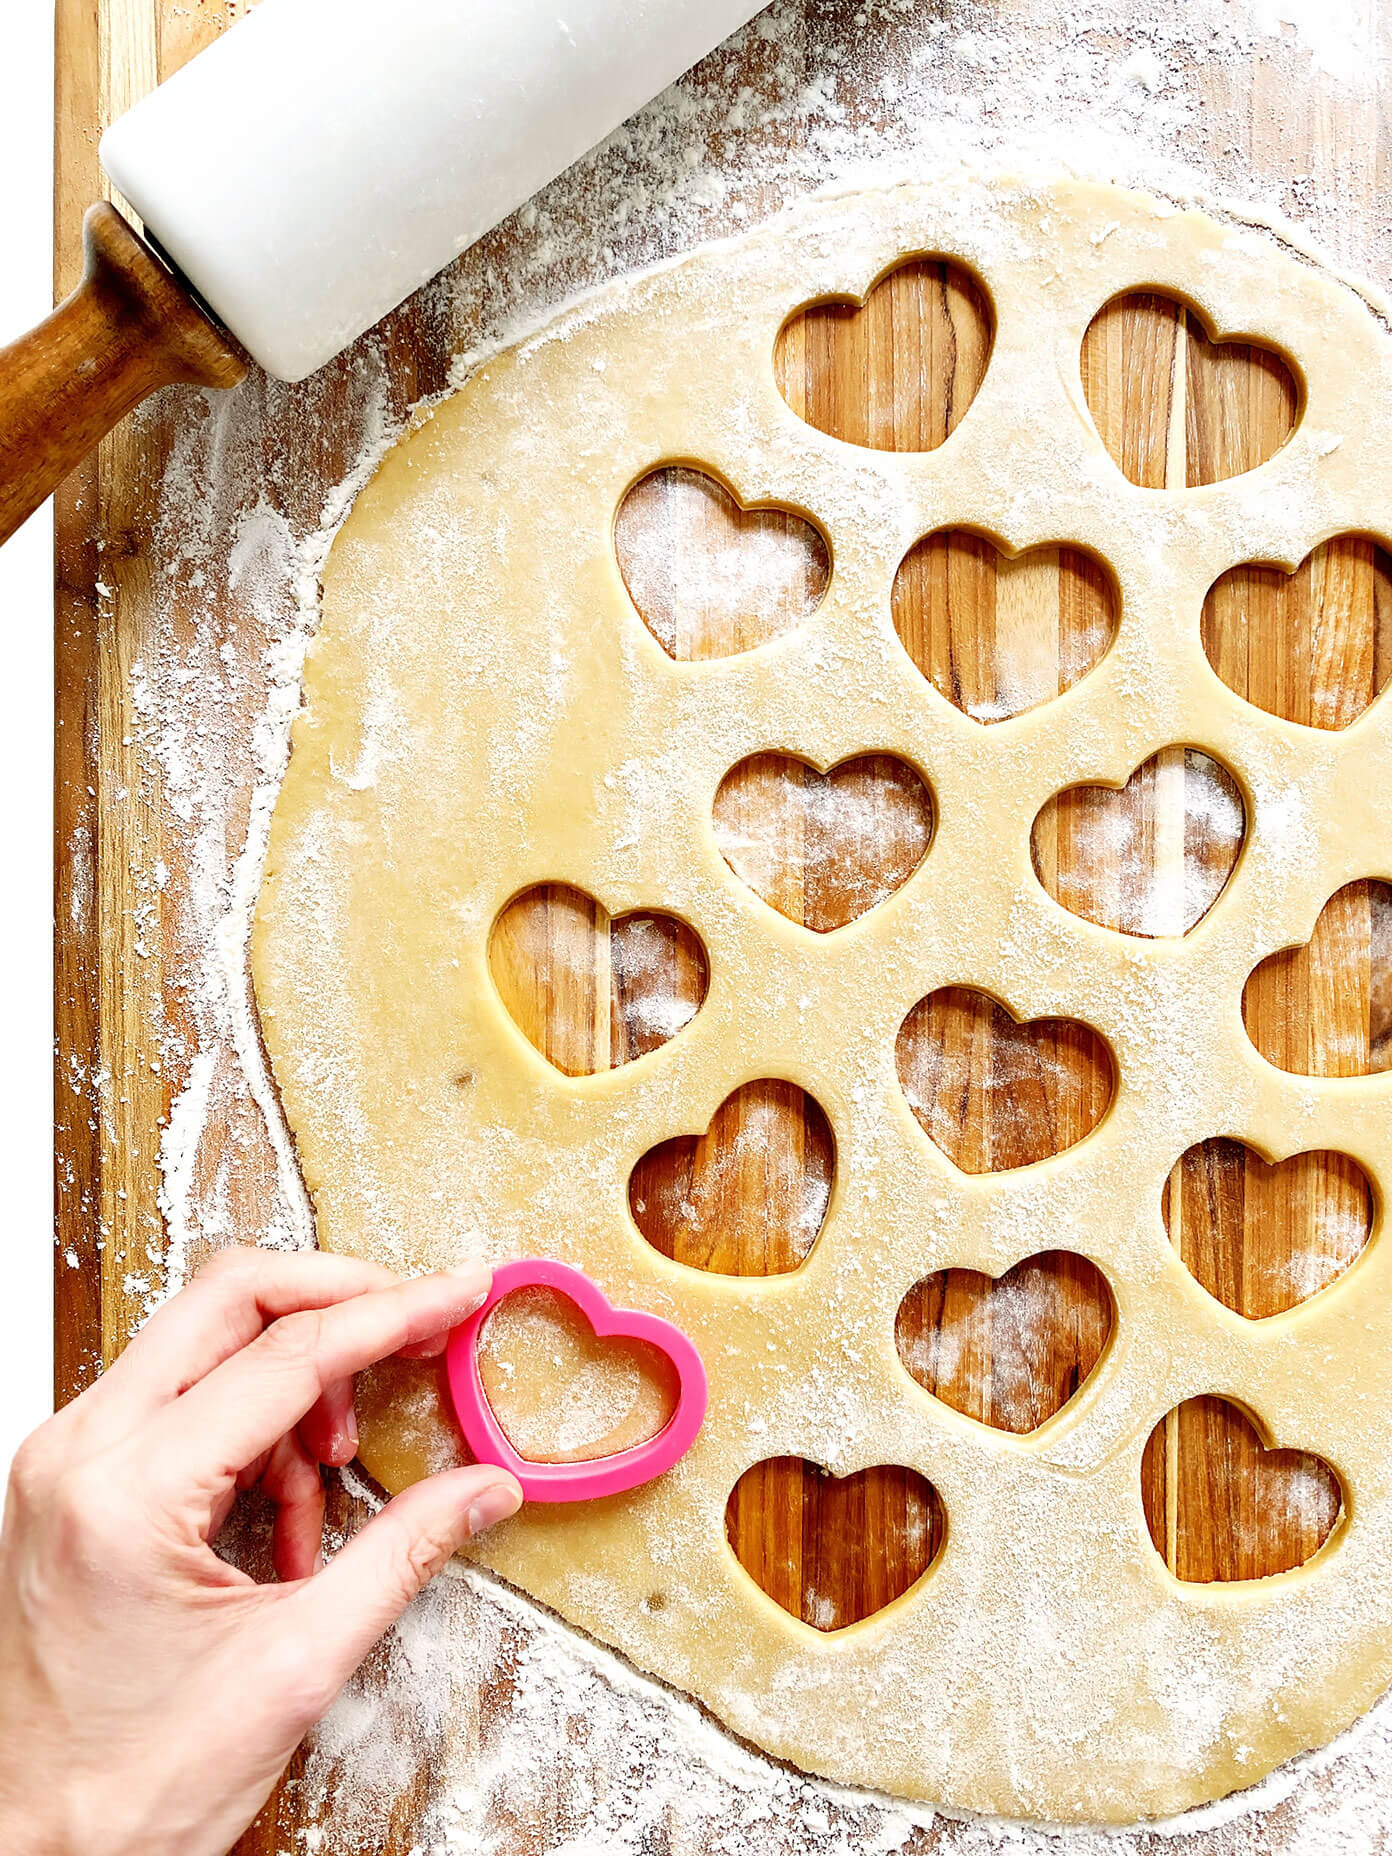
145 304
128 329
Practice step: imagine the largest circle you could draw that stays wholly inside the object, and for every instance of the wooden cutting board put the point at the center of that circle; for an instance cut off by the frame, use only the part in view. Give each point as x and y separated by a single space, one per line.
988 632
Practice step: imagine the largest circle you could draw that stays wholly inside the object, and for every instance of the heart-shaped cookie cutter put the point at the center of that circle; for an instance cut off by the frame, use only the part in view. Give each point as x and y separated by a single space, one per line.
607 1475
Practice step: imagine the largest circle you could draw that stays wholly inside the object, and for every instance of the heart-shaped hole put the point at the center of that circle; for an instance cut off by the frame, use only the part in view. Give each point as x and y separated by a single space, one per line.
1313 646
998 633
749 1196
1176 405
710 578
1009 1351
1147 858
1325 1009
896 370
823 848
833 1549
1264 1236
592 991
994 1093
1220 1505
563 1394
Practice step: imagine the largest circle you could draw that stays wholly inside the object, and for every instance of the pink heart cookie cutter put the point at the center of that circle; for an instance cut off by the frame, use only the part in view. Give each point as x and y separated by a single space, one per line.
606 1475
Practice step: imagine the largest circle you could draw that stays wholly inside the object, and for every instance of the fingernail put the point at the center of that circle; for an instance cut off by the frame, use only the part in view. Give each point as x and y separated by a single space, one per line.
478 1279
350 1425
495 1504
319 1561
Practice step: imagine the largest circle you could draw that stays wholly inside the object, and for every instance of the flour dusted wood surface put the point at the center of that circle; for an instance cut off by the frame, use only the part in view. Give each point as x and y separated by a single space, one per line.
129 1031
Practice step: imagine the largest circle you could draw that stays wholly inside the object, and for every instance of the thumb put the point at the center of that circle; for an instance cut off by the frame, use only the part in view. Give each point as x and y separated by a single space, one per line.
342 1611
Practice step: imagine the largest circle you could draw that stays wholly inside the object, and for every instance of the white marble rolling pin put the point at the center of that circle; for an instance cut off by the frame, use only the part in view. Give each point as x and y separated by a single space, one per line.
303 175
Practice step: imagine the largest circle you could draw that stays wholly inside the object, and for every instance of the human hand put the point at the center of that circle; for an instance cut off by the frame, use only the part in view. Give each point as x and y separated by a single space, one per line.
151 1694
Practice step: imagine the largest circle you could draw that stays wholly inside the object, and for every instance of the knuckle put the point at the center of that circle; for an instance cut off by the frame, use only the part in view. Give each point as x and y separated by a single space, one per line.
302 1688
33 1465
231 1261
80 1518
415 1558
294 1340
234 1263
296 1479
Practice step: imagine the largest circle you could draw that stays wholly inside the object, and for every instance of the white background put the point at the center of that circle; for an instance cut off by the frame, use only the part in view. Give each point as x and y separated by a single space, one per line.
26 764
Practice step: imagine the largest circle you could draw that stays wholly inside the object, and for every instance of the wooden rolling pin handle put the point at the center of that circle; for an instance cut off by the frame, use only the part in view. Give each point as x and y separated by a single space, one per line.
127 330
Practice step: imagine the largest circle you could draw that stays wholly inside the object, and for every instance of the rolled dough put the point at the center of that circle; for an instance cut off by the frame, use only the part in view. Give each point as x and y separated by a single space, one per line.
485 710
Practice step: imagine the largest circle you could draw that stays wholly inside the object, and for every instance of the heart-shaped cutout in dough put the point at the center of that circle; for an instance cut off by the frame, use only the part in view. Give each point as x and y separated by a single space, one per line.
1263 1236
1325 1009
1313 644
997 632
897 369
710 577
1150 857
749 1196
823 848
577 1473
589 990
1178 405
1012 1350
1222 1505
994 1093
832 1550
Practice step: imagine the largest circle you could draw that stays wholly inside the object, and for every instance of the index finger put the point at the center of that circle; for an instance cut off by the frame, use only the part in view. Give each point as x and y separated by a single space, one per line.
249 1402
236 1294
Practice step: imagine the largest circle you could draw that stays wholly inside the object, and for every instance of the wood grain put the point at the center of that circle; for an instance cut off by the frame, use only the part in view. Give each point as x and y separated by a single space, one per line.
1263 1236
1325 1009
749 1196
126 935
994 1093
898 372
1313 646
823 848
1174 411
710 577
1220 1505
1175 408
833 1549
593 991
1150 857
998 633
1009 1351
126 330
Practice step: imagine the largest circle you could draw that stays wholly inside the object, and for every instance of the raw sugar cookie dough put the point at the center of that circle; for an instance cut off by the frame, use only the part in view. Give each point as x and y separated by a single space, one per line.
486 711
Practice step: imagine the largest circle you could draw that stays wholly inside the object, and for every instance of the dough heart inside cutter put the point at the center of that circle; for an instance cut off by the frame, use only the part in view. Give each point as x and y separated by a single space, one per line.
649 1380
